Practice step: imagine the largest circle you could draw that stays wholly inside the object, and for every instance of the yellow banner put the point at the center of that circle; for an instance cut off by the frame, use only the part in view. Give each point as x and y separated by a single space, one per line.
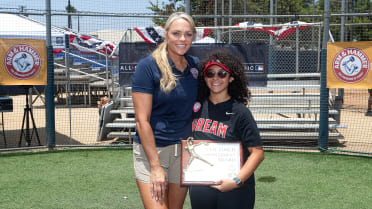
349 64
23 62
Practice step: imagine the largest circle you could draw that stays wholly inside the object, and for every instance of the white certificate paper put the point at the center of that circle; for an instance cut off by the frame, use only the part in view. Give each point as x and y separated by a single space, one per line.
212 162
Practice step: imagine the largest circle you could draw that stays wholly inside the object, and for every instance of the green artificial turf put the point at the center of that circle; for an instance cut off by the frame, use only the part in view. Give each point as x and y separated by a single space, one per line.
104 178
313 180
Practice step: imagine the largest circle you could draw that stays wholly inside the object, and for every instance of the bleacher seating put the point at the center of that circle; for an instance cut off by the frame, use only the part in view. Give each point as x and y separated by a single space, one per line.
286 109
87 77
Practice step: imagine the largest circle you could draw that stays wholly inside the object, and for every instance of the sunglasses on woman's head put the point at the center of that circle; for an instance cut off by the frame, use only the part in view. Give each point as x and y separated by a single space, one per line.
220 73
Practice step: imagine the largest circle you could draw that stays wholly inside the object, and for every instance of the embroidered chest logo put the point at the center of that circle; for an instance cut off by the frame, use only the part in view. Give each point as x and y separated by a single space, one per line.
197 106
194 72
209 126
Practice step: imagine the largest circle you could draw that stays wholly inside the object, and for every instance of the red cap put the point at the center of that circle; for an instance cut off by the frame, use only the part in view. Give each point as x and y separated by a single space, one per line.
215 62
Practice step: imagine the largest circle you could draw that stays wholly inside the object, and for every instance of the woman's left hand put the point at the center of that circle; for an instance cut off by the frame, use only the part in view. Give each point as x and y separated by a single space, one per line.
225 185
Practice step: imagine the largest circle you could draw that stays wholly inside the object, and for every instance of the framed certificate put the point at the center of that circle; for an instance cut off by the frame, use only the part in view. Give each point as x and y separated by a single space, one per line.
203 162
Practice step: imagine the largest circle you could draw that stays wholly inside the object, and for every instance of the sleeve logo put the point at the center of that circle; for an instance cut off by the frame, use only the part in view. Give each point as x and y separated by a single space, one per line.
194 72
197 106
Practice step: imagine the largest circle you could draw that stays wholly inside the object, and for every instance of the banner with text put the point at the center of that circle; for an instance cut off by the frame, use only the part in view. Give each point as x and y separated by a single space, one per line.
349 65
253 56
23 62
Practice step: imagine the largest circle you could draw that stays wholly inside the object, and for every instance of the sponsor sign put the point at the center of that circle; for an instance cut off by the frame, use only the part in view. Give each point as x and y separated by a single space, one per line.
22 62
349 65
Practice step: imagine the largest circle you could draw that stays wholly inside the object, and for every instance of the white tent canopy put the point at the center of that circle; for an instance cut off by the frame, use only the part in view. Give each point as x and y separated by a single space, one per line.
15 26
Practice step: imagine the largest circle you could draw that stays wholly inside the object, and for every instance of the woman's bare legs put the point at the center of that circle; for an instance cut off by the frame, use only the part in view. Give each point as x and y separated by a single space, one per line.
174 199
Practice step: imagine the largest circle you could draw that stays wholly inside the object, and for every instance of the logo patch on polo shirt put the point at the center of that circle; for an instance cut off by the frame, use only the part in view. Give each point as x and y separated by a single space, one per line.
194 72
197 106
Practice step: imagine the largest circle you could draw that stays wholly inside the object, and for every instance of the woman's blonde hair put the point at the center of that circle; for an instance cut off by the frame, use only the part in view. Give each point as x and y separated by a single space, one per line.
160 54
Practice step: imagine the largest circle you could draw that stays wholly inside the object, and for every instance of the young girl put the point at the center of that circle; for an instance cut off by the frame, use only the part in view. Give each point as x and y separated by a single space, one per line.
223 95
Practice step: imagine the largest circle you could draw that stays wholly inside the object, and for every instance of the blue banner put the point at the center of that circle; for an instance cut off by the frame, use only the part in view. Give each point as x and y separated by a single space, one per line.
254 56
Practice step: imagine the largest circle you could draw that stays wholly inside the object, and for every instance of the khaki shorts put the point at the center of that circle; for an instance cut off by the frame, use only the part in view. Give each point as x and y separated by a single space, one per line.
170 159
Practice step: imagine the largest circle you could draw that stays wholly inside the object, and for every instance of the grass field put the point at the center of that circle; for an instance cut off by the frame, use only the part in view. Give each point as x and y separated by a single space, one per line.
103 178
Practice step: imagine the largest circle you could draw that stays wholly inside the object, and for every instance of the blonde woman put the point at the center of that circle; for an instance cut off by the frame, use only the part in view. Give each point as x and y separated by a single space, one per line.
164 89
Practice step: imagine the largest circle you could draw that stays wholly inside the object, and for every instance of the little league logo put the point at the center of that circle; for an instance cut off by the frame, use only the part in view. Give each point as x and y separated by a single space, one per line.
194 72
197 106
22 62
351 65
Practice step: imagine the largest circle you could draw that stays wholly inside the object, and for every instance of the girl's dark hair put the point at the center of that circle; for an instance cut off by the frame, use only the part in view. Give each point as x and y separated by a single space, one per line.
238 88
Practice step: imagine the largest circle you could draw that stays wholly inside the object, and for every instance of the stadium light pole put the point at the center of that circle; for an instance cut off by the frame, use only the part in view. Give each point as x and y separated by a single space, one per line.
187 6
324 94
215 19
49 90
342 33
69 21
230 19
340 97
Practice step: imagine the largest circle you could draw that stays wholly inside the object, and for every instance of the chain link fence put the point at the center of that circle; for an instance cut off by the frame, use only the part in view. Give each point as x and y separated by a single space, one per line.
293 72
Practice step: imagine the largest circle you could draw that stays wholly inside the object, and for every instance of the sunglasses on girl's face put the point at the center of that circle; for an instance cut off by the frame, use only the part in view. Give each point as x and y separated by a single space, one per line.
220 73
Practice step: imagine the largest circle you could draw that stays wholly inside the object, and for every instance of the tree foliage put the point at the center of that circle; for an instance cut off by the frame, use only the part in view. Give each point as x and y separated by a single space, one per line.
262 7
70 9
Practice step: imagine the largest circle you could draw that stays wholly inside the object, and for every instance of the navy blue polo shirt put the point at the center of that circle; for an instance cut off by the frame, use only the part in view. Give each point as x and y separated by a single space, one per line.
171 112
